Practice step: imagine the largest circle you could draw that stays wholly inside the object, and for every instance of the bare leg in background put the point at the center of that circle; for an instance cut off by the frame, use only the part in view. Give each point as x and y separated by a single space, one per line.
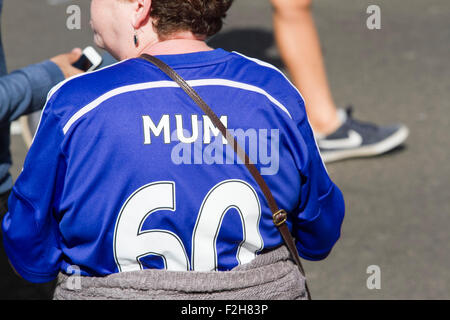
299 46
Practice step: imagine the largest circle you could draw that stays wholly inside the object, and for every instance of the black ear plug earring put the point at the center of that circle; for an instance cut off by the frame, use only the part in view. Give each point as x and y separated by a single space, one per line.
136 40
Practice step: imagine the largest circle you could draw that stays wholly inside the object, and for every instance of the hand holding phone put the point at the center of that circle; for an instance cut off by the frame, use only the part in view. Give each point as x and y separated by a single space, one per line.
89 60
64 62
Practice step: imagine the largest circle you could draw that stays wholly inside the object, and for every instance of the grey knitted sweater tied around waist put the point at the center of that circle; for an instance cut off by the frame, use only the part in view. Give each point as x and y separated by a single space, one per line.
270 276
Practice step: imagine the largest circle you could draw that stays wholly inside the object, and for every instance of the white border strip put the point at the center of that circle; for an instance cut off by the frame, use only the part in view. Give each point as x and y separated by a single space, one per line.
268 65
168 84
59 85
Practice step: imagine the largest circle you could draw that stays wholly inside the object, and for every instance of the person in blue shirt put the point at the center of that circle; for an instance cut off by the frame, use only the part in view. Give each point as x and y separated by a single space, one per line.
21 92
126 173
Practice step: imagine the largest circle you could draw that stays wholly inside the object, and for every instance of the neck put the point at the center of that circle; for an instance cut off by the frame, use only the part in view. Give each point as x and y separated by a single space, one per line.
178 44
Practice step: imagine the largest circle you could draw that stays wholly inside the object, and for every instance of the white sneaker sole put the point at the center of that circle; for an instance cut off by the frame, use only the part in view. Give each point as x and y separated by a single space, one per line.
368 151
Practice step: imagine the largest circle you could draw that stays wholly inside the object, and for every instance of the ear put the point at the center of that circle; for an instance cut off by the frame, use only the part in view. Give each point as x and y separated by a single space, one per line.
141 13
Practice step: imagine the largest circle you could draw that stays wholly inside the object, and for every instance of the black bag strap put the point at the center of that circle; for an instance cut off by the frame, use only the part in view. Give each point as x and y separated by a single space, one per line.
279 215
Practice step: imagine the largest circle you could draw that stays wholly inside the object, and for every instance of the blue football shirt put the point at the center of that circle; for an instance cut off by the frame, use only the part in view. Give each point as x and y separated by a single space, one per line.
127 173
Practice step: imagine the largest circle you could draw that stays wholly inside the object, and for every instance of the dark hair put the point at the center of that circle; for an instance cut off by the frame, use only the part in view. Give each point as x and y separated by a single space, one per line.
201 17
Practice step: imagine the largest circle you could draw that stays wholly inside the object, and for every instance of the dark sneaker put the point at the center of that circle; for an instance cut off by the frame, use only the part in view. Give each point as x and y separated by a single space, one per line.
359 139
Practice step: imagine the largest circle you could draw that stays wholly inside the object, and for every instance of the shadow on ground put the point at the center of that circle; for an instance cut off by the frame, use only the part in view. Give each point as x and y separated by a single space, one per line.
255 43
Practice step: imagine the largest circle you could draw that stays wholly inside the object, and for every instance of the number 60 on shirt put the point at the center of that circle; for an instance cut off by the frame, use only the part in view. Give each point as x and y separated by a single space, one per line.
132 243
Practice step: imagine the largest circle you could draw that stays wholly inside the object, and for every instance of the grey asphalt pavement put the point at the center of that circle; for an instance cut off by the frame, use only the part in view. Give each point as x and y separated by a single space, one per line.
398 208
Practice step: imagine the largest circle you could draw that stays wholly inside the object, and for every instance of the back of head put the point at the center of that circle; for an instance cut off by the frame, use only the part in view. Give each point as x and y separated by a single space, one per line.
127 28
201 17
